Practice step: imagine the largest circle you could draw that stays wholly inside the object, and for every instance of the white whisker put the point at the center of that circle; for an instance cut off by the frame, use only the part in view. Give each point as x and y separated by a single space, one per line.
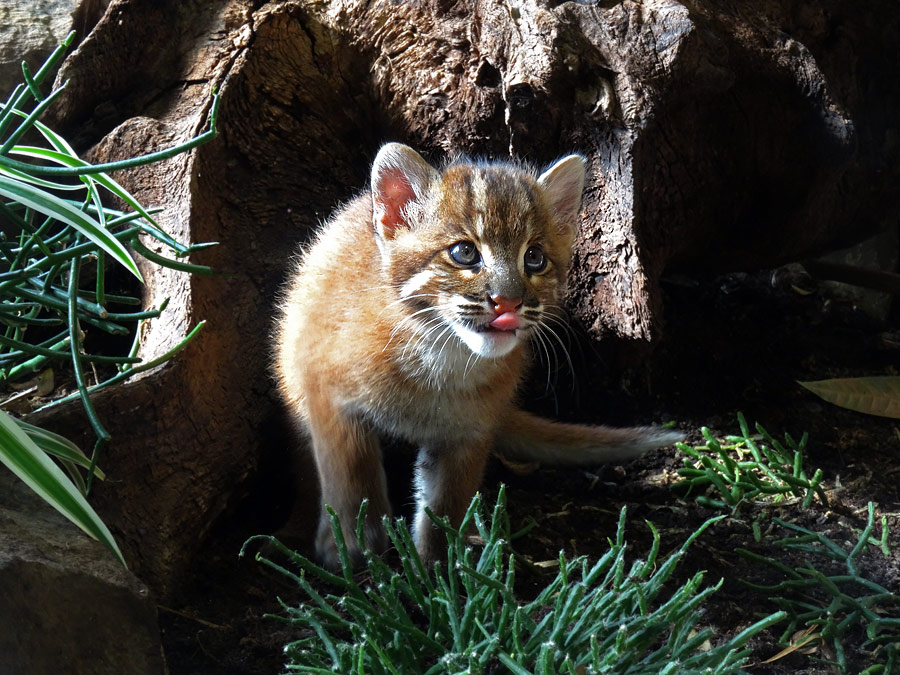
544 352
403 322
450 334
561 322
420 335
409 297
429 330
562 346
468 361
572 339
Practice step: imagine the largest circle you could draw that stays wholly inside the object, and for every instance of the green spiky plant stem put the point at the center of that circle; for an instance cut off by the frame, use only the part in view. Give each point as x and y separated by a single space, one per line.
748 468
609 616
55 225
39 282
835 604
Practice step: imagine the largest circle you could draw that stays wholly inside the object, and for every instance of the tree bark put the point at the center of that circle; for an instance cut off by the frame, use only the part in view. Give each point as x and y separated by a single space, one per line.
721 135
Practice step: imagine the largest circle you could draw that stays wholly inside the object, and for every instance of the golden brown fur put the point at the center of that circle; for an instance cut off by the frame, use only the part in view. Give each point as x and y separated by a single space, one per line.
388 327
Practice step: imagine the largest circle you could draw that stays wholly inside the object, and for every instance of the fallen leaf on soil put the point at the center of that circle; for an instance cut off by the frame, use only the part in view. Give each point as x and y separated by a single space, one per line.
546 564
871 395
800 639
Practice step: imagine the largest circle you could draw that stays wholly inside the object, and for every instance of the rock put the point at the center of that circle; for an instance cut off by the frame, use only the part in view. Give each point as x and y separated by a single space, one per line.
68 605
31 29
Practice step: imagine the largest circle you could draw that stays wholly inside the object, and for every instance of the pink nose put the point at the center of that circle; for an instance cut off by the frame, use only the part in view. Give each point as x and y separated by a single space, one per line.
504 305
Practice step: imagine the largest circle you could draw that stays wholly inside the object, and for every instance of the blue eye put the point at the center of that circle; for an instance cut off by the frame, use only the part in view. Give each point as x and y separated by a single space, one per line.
535 260
465 253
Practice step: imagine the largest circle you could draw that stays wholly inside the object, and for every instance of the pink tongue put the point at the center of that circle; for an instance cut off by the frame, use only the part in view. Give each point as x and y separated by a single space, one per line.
506 321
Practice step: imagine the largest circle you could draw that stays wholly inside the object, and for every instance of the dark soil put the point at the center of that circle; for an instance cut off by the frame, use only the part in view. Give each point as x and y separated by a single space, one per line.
734 343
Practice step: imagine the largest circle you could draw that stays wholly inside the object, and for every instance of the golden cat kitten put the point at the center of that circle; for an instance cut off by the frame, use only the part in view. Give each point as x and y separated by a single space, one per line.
410 314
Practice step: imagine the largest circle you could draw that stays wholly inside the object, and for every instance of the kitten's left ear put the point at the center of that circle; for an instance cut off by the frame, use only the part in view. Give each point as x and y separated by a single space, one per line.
563 184
399 176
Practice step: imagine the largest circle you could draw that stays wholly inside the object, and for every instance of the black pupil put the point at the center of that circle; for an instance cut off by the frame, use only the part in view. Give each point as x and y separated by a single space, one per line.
534 258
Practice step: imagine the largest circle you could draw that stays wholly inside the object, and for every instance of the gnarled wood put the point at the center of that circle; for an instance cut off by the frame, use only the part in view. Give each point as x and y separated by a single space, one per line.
721 135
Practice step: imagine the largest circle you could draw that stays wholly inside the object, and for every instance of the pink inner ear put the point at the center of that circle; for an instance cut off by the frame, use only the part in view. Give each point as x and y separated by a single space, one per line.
390 195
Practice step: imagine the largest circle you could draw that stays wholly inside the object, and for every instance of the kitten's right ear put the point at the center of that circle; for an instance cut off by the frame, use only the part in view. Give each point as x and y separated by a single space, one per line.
563 184
399 176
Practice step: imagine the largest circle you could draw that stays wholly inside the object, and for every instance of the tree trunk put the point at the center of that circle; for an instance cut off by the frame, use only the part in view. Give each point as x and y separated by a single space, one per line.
721 135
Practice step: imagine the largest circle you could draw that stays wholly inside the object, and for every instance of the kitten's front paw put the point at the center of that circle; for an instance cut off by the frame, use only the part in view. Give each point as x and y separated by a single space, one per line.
431 544
328 557
327 550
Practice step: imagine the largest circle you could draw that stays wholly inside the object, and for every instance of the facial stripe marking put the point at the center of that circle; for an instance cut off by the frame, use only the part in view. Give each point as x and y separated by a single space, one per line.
479 193
479 224
416 282
487 256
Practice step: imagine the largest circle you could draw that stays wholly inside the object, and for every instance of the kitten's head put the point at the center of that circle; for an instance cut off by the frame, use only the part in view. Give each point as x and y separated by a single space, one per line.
479 249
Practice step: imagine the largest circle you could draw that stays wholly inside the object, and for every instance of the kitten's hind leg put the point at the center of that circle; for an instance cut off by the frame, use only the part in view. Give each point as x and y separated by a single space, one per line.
348 460
446 480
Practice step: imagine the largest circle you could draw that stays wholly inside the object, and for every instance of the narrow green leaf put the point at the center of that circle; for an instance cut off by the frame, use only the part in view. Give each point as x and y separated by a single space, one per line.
52 185
66 156
871 395
58 446
27 461
74 475
52 206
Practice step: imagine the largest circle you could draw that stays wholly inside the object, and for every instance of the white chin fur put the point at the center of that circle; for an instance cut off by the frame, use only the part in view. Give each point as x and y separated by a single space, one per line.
488 344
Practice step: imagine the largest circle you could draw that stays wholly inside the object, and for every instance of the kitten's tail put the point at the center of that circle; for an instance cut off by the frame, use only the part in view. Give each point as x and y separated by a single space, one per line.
526 437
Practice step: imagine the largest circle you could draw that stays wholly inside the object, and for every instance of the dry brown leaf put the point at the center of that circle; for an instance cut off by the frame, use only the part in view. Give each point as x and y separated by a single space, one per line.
871 395
799 640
